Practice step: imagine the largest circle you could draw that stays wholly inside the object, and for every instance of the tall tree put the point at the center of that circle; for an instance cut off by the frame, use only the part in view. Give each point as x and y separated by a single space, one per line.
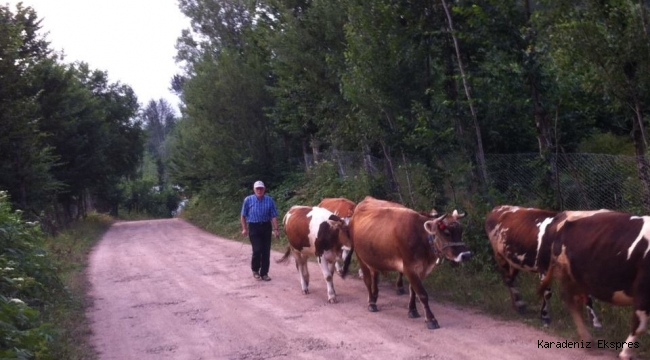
159 119
605 44
25 160
225 92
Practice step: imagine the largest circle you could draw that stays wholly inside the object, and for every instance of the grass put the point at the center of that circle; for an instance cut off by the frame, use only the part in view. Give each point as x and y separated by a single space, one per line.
486 292
70 250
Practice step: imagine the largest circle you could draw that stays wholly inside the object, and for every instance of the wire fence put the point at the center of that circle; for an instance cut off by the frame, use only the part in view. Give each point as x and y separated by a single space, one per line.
582 181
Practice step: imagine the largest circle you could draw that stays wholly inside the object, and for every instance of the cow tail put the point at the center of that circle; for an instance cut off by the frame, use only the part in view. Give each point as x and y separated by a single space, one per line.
285 256
346 264
546 283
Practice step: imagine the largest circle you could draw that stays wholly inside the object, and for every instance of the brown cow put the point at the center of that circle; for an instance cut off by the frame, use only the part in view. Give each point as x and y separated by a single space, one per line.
314 231
371 201
400 239
515 235
342 207
602 253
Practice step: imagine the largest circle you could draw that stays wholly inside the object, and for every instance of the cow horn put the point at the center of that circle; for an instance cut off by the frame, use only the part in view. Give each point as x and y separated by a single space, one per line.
457 215
426 226
433 223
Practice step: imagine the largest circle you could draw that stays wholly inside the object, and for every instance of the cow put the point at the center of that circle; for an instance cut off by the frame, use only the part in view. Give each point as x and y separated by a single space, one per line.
399 283
602 253
515 235
314 231
401 239
343 208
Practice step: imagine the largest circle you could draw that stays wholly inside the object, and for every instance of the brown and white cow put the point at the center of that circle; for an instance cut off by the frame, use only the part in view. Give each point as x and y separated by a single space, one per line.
515 235
605 254
344 208
401 239
314 231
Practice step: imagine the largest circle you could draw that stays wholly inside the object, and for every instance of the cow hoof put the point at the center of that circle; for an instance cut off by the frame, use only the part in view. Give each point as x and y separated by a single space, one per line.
372 308
432 325
546 322
401 291
597 324
305 292
332 301
413 314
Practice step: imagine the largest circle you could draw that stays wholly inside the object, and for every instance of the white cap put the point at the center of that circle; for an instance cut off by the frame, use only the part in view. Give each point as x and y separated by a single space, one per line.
258 184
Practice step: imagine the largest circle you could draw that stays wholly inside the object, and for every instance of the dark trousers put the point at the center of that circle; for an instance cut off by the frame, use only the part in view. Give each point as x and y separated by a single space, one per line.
260 237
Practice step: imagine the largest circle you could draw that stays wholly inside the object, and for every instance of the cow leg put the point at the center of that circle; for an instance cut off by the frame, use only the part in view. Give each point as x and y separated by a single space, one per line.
639 324
303 272
417 288
413 311
368 279
573 298
328 270
339 261
373 279
639 317
509 274
592 313
399 284
546 299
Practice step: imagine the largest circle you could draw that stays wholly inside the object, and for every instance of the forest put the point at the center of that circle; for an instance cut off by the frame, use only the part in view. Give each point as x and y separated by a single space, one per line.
269 88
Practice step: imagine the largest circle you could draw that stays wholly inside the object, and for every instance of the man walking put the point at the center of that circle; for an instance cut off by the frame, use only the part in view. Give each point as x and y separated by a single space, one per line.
260 214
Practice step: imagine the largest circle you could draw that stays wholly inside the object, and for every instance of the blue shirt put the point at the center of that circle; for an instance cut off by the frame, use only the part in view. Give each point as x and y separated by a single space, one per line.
258 210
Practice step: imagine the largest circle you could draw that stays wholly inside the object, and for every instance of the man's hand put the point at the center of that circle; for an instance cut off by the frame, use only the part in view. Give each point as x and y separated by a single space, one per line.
244 232
276 232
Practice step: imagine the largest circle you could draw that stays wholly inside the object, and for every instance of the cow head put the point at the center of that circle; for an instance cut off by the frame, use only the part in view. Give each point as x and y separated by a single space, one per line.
445 236
334 235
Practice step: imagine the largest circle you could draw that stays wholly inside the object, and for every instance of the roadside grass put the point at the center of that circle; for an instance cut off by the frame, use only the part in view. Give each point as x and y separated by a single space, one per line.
70 250
484 290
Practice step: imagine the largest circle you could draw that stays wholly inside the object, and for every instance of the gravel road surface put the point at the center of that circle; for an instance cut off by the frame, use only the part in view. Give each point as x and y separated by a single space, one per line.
165 289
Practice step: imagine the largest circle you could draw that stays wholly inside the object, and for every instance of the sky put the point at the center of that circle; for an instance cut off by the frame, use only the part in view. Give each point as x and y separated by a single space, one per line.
132 40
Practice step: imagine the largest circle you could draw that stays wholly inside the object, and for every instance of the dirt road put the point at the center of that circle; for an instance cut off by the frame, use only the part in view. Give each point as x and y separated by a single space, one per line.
165 289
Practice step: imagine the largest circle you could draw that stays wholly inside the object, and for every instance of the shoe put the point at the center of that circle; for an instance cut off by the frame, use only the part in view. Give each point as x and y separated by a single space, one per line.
266 278
256 275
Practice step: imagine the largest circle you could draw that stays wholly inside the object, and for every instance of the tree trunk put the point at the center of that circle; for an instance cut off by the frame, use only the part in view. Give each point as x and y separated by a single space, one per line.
640 150
305 155
390 171
315 149
480 154
541 116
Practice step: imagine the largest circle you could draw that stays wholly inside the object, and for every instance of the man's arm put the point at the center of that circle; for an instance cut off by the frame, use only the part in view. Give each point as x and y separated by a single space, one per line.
274 222
242 220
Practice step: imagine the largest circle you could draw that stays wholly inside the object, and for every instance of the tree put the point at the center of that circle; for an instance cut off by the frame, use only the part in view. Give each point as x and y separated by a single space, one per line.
25 160
604 46
159 120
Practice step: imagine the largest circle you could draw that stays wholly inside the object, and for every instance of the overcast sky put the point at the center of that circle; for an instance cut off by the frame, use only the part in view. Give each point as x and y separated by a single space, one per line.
133 40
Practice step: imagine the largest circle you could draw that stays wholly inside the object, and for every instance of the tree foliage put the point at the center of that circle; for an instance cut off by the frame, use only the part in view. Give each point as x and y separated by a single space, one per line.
68 132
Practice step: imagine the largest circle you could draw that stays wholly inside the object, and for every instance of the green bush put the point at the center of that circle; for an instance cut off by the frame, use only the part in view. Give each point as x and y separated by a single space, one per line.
28 283
144 197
